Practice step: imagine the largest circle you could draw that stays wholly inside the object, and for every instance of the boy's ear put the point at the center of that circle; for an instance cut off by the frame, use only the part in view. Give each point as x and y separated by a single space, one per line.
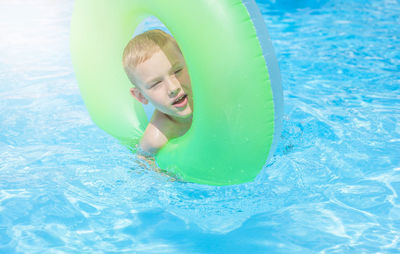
135 92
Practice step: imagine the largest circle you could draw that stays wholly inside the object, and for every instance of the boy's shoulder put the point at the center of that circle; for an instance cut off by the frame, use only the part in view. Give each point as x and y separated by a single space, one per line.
155 136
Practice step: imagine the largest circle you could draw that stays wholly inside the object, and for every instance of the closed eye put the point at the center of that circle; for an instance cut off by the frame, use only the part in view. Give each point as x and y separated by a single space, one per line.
156 83
178 70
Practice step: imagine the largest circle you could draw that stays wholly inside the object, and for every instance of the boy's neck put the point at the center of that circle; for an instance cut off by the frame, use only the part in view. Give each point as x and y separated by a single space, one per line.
177 126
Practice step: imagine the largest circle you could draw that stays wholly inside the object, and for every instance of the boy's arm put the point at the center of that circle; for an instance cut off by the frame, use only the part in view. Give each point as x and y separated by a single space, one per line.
153 138
152 141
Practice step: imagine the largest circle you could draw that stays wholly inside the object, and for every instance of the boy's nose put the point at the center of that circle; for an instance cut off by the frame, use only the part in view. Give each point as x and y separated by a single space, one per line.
173 87
174 92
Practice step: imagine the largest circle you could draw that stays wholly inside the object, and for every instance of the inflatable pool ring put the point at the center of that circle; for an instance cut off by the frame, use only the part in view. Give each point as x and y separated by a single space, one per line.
235 79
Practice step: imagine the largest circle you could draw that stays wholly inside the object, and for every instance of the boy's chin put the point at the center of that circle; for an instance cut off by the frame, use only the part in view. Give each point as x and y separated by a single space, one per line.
178 115
184 115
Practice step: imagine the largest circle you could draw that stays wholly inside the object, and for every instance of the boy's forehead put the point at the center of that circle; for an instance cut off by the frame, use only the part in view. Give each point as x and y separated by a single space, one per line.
171 52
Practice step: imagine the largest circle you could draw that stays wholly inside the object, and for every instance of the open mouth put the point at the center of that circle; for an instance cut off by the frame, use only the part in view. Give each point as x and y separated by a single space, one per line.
180 101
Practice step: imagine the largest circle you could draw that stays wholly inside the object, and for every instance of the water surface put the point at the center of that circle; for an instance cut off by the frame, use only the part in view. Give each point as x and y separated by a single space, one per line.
332 187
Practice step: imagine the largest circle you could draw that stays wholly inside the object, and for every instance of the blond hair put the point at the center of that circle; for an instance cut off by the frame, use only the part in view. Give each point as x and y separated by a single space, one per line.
142 47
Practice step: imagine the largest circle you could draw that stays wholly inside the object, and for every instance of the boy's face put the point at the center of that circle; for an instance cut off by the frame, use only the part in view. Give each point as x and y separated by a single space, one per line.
164 81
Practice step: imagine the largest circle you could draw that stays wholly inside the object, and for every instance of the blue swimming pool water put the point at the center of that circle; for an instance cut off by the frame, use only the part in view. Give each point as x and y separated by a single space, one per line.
332 187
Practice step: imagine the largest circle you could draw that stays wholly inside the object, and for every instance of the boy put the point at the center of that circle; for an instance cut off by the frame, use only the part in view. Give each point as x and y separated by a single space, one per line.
157 69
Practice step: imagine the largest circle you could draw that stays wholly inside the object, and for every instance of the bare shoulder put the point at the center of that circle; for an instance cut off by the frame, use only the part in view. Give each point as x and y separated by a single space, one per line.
154 137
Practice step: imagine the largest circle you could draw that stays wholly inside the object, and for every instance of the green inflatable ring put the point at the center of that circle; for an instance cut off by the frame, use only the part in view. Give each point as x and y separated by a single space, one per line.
235 78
